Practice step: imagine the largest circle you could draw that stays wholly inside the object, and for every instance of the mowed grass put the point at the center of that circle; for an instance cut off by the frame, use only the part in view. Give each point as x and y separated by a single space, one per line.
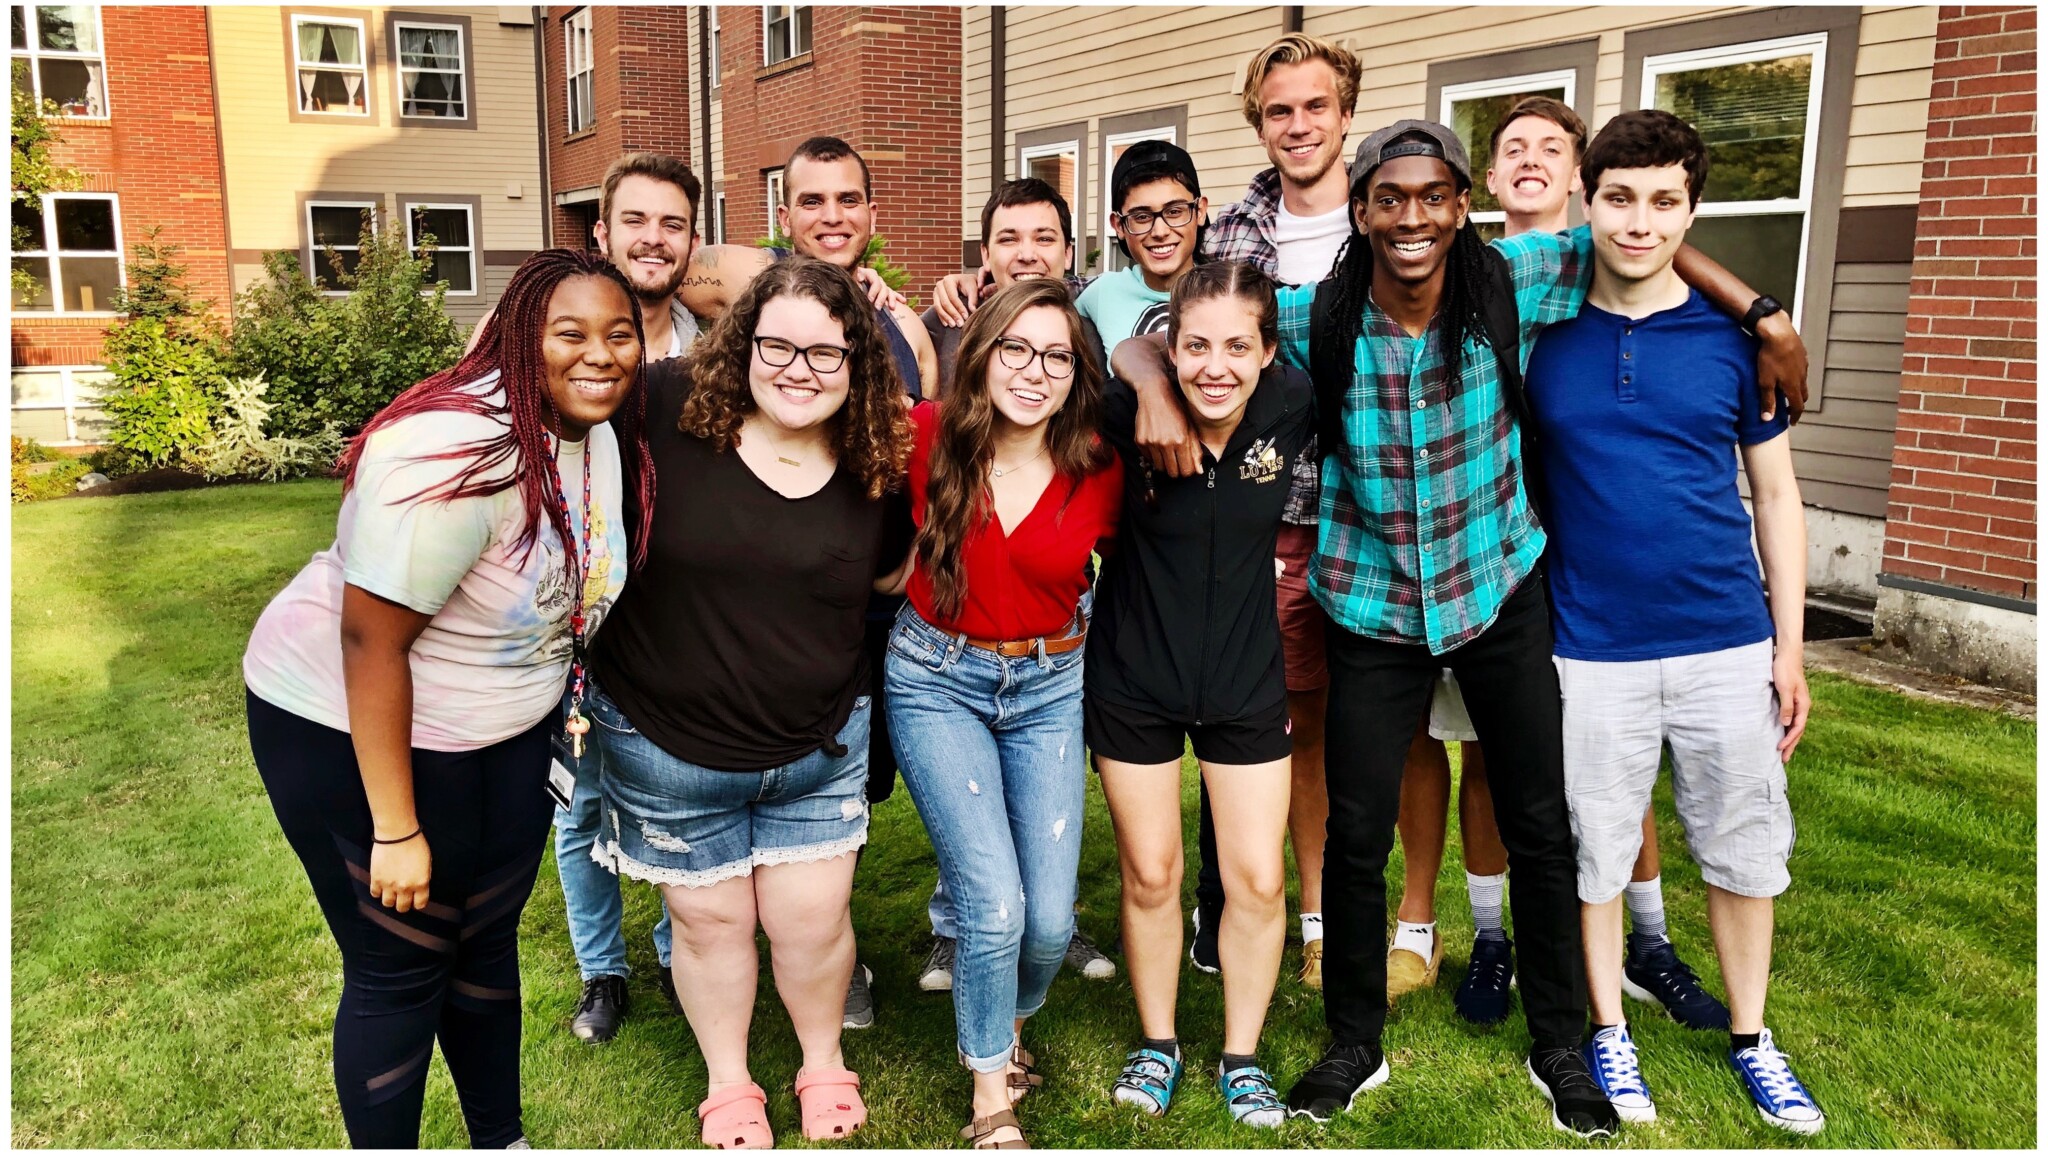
174 983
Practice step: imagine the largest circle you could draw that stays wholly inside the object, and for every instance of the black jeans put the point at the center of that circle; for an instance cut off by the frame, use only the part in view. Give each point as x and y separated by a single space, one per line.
1378 693
450 971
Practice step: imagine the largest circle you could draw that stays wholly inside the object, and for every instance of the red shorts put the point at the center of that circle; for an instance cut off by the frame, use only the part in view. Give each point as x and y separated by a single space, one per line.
1302 621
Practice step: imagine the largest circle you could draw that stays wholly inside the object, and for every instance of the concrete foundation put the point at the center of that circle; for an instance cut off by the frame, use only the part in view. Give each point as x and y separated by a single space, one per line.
1982 643
1843 552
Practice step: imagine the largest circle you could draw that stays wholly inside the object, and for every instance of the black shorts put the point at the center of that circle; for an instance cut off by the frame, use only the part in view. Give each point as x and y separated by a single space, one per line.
1128 734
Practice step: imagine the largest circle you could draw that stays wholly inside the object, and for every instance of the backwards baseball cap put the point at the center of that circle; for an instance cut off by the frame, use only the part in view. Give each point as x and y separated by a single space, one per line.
1424 138
1149 160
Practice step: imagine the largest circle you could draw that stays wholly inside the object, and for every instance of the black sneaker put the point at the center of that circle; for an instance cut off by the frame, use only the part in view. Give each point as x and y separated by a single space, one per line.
666 979
860 999
1202 951
1336 1081
1084 956
937 974
1483 996
1577 1104
1654 974
599 1011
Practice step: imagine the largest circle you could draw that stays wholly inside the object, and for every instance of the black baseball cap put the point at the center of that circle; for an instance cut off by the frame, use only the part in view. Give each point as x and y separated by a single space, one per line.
1152 154
1424 138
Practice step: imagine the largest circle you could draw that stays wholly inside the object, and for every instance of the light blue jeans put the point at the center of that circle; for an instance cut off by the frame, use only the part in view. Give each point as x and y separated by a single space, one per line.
590 893
991 750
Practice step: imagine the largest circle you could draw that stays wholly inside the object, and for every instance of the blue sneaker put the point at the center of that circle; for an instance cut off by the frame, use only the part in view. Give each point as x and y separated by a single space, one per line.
1611 1057
1779 1096
1148 1080
1483 996
1249 1093
1654 974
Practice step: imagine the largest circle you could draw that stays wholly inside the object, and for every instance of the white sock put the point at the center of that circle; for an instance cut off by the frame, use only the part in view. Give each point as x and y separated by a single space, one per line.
1418 938
1486 892
1311 928
1646 906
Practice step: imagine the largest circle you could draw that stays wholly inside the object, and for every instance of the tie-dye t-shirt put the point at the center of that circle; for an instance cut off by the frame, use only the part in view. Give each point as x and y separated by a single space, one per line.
495 657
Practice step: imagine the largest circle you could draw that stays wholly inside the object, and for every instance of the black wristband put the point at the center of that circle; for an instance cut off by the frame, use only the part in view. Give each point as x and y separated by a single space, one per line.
395 841
1760 308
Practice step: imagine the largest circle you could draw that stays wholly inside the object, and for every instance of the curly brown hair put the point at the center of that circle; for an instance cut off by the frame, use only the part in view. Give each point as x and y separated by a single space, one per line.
871 432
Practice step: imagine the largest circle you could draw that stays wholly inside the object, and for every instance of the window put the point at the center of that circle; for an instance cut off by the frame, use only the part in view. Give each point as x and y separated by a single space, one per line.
57 406
774 182
57 56
1757 106
71 244
334 233
785 31
581 101
430 70
1059 165
442 233
714 46
1113 146
332 64
1474 110
718 221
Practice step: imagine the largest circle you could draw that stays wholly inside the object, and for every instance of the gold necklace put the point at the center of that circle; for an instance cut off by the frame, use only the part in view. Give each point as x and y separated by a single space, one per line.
995 470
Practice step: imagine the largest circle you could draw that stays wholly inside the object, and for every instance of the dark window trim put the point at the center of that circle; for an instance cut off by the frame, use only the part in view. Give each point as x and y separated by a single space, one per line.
475 205
392 19
373 103
1580 57
1077 133
379 218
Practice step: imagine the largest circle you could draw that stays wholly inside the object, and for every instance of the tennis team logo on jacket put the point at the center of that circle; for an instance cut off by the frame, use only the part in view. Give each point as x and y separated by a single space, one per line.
1262 462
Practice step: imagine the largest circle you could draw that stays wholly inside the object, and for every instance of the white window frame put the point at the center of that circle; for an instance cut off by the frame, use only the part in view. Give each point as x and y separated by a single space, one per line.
362 40
714 46
1813 44
718 221
73 398
1070 148
1111 258
56 256
412 243
1565 78
575 27
460 71
33 53
313 245
769 36
773 184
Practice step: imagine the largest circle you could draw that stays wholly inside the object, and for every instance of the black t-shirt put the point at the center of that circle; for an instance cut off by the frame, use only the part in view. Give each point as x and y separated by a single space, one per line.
738 647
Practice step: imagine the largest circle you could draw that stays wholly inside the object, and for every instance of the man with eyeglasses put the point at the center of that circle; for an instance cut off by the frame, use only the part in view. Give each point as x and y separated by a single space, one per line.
1160 216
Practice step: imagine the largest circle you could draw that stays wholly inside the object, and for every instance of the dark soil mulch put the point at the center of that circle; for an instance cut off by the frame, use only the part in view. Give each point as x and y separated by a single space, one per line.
158 481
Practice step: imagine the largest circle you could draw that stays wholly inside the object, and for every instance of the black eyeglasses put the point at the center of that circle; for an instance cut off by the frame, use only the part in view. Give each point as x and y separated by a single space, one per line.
1017 354
778 353
1177 215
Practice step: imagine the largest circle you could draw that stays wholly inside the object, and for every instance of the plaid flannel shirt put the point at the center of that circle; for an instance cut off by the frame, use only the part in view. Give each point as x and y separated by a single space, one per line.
1426 528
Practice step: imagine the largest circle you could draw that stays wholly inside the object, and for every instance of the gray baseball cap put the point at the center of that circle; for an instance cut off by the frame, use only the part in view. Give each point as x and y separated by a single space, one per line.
1438 141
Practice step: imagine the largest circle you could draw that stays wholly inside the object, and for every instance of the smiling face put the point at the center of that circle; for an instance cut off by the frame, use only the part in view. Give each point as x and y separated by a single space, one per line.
1639 217
1217 357
1535 171
1162 251
828 214
1410 211
795 396
650 235
1301 121
1029 396
591 351
1025 241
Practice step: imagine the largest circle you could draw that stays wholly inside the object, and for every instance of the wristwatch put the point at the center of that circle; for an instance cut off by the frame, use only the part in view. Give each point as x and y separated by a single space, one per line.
1760 308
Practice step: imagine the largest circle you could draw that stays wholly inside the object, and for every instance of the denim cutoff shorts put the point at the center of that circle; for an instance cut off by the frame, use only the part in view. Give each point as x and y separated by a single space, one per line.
673 822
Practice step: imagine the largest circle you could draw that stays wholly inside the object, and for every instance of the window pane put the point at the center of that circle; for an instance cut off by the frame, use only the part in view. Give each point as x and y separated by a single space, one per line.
40 301
330 264
429 48
1056 170
18 26
45 425
446 226
1762 250
1474 120
38 387
28 228
329 44
89 283
86 225
432 94
91 425
73 84
67 28
338 224
452 268
1753 119
323 90
803 30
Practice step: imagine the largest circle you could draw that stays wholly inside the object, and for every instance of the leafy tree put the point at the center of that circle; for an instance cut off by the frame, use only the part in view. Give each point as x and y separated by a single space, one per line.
34 172
166 356
894 276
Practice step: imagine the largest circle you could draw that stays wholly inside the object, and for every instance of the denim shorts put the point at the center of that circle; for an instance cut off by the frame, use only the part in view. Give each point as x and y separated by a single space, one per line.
673 822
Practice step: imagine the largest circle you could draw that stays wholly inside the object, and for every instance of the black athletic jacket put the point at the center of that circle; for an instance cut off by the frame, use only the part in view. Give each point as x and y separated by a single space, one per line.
1185 625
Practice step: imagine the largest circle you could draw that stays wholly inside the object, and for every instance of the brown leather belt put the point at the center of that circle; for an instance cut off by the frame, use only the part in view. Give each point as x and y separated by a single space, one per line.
1029 646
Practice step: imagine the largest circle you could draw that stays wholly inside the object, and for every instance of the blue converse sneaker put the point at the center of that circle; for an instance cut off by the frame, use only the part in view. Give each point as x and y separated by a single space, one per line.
1249 1093
1148 1080
1611 1056
1654 974
1483 996
1777 1092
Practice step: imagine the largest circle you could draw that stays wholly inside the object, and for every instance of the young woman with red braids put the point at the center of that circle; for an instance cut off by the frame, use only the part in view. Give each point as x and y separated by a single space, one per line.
402 687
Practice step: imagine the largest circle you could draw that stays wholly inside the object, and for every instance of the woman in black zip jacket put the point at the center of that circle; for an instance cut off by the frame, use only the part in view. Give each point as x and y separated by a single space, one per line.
1186 650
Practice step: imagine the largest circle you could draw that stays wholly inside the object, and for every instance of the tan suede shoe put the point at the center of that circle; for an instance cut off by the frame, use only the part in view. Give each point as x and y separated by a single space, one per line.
1407 971
1312 965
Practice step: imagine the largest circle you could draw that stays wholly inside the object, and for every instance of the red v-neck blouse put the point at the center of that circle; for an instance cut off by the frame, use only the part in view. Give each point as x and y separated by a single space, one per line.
1026 583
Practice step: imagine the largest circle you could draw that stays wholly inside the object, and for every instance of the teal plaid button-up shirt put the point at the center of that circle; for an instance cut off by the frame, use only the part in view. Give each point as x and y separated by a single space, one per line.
1426 528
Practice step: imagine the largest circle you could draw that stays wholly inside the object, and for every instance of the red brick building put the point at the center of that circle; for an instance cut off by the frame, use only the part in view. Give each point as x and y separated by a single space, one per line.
137 123
617 80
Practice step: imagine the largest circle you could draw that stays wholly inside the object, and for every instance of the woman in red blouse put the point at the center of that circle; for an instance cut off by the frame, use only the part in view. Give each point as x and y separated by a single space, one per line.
1011 490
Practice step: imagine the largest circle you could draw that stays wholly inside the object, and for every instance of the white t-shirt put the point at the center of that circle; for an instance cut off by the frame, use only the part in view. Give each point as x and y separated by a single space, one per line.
682 329
1308 245
495 657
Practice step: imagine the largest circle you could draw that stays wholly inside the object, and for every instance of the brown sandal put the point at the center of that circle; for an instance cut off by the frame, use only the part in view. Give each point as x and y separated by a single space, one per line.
1022 1081
980 1134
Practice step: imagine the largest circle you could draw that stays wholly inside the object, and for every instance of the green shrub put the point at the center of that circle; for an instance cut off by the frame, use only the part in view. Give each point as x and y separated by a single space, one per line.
894 276
240 448
35 485
28 449
166 358
114 461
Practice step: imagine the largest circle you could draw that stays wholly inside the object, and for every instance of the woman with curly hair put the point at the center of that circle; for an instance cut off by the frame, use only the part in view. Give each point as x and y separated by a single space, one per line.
1011 490
730 696
401 689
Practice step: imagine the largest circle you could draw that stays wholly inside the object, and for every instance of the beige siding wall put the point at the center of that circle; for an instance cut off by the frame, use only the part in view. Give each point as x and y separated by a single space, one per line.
272 159
1843 451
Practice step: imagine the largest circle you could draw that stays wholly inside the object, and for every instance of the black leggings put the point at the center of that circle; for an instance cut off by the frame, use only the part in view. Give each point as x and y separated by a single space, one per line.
450 971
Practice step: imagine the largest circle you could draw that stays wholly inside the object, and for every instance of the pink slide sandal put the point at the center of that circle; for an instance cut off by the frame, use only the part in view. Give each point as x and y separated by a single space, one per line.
736 1117
830 1103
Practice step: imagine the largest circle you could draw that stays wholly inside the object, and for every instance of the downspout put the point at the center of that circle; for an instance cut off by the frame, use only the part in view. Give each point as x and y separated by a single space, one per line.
708 179
1290 18
540 102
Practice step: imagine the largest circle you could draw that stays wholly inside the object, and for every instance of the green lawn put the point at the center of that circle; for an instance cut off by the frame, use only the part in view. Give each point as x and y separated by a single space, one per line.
174 984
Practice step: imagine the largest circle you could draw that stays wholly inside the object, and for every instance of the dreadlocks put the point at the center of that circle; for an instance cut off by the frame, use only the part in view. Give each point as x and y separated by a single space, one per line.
520 456
1462 310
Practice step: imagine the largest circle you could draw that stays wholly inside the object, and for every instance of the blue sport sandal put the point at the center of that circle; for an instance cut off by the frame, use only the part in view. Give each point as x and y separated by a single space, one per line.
1249 1093
1148 1080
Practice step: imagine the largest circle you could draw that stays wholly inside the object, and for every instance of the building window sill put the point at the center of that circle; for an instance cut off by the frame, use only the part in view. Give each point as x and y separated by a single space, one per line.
583 134
794 63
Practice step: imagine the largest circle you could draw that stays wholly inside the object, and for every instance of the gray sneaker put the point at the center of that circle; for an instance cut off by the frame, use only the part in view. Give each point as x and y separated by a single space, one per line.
860 999
938 965
1084 956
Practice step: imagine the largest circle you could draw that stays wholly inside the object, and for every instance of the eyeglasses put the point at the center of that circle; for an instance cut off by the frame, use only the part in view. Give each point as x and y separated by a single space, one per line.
1137 221
1059 363
777 353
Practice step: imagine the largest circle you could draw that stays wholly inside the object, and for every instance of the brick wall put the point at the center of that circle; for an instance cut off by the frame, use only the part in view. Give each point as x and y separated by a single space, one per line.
159 152
641 93
1962 501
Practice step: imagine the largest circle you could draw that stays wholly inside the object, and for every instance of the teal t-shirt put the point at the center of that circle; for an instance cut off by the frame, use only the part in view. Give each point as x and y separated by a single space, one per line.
1120 305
